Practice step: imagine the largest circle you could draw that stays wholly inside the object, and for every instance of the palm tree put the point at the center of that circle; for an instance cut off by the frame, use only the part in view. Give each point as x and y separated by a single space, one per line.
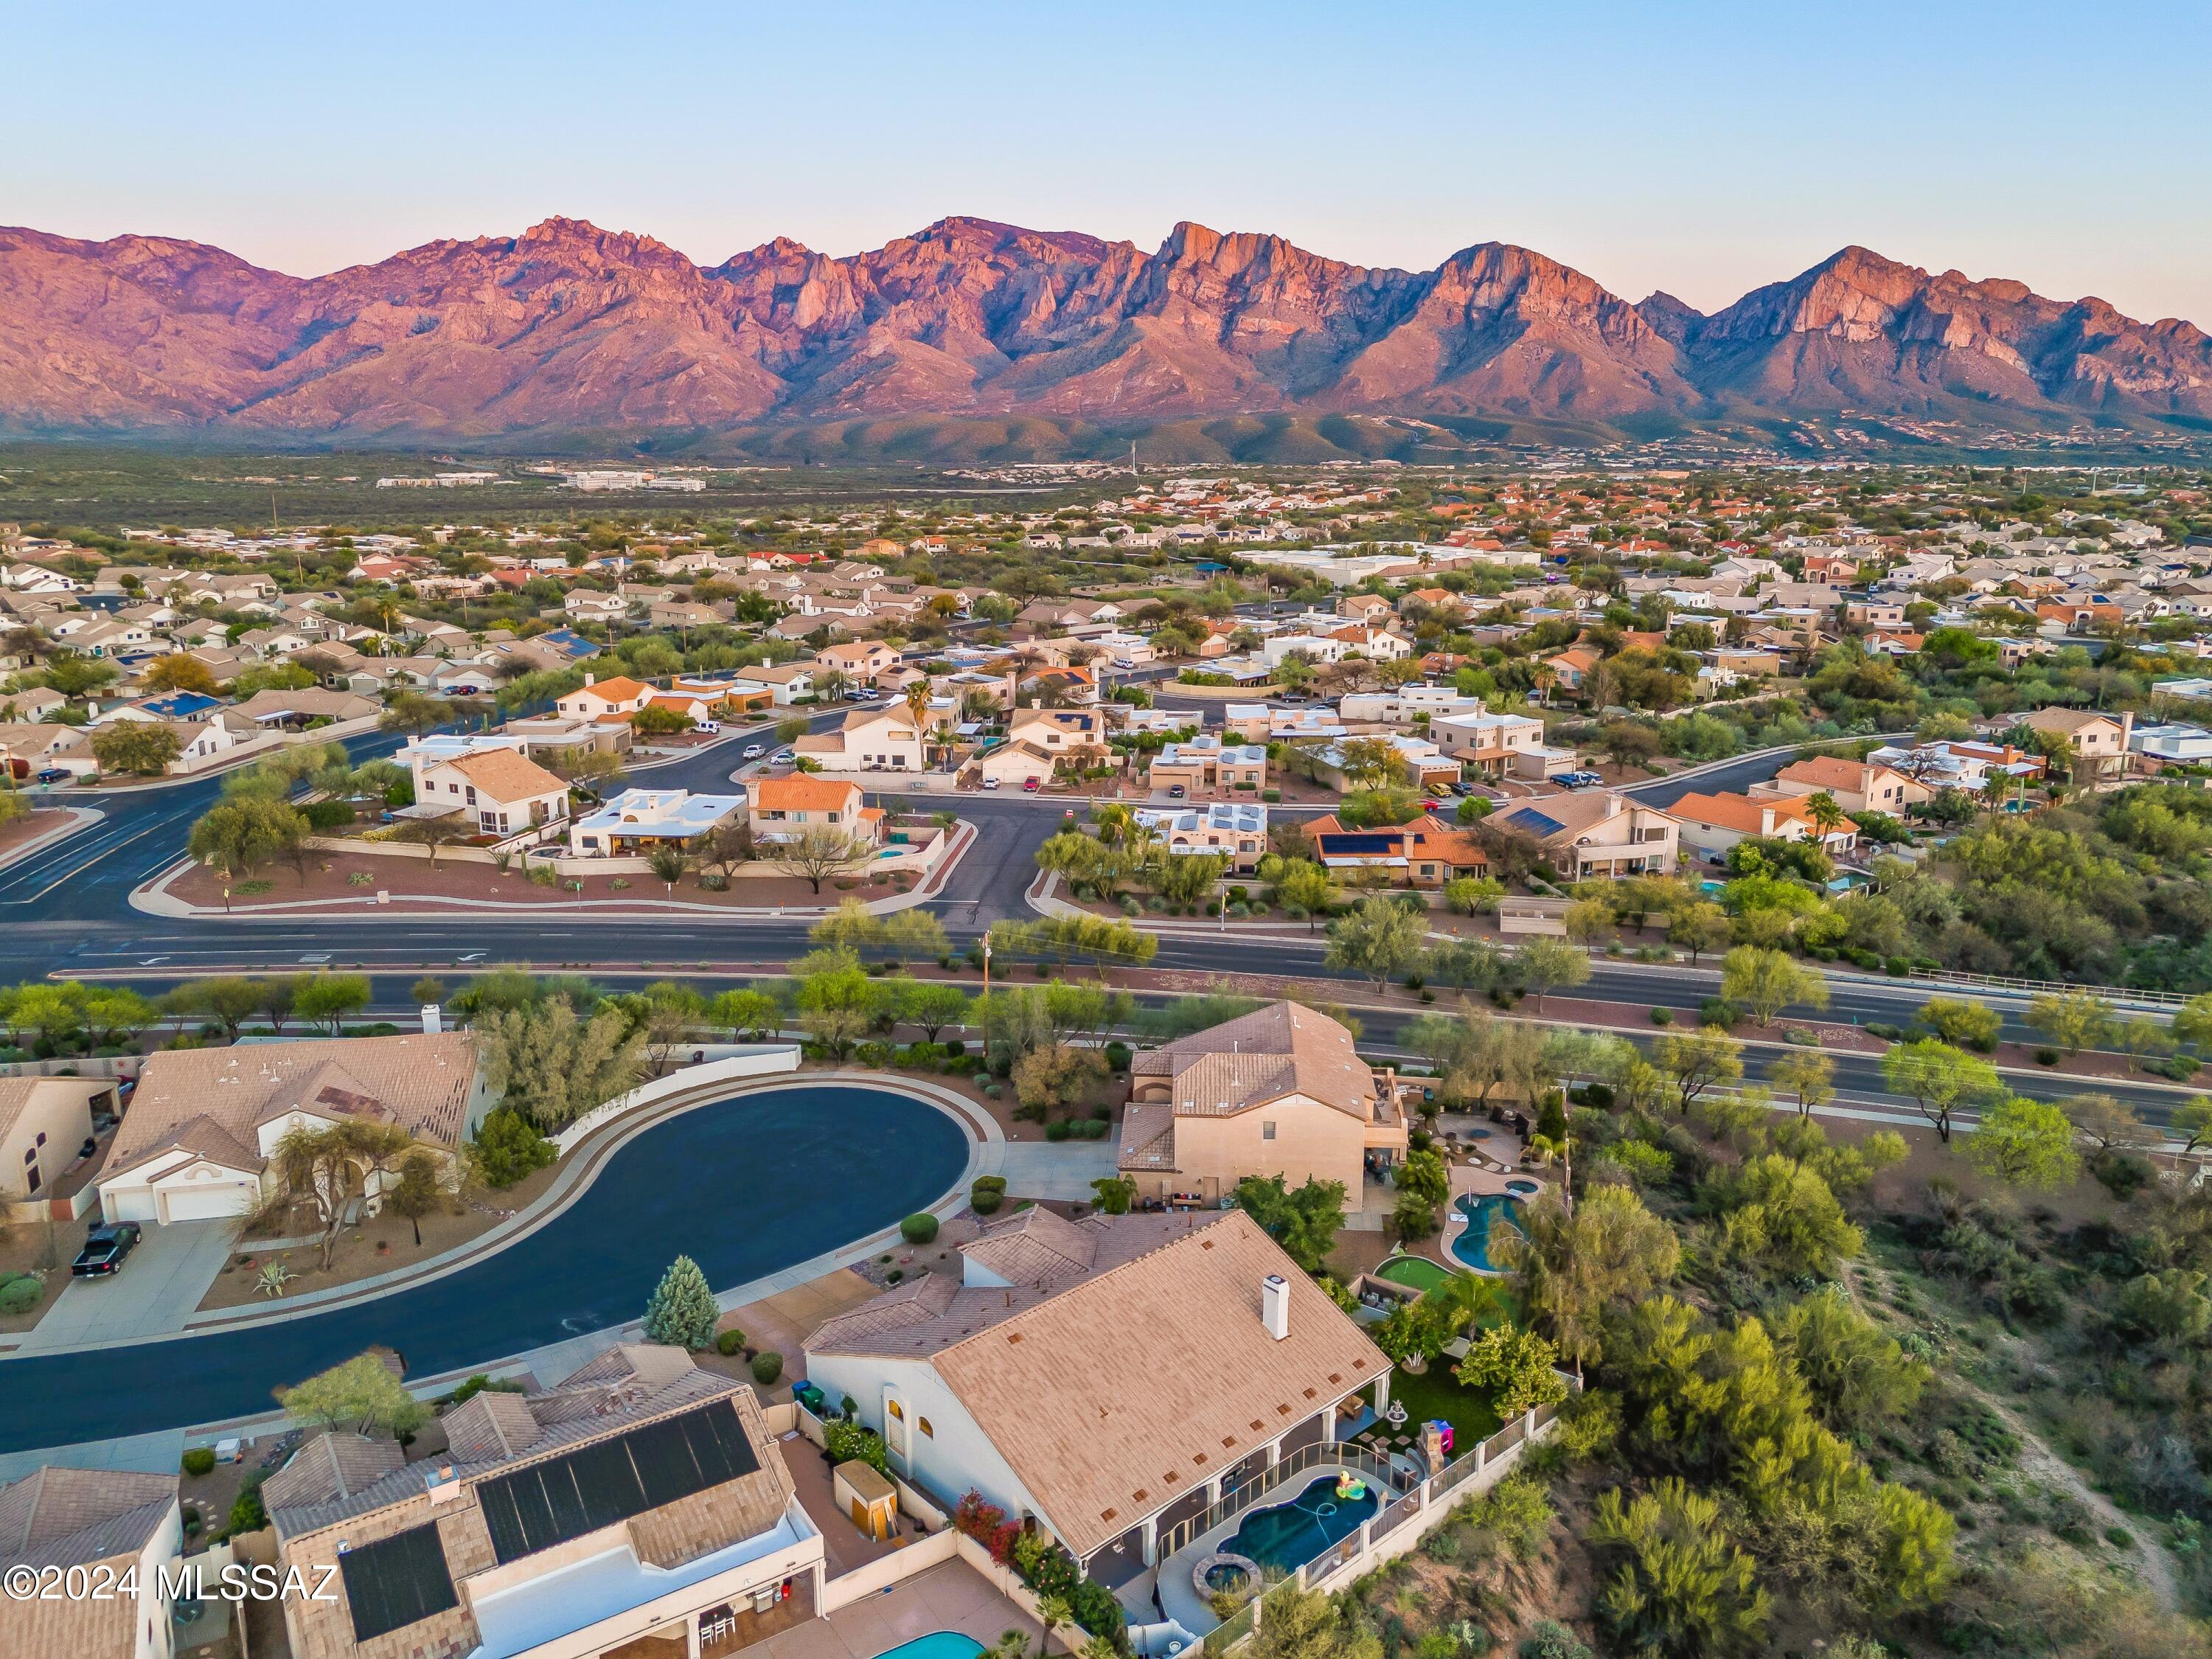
917 704
1827 818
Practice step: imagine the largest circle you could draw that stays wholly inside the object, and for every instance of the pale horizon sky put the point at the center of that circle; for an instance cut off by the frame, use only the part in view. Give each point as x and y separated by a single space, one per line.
1703 149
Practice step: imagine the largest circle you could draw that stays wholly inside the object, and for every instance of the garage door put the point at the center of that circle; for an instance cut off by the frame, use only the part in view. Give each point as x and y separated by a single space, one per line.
128 1204
209 1203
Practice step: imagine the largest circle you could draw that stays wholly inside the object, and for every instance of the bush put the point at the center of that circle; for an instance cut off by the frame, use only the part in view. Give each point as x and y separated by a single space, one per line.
247 1513
20 1293
1662 1016
919 1229
987 1195
845 1440
1802 1037
729 1343
1117 1056
1056 1130
199 1459
1897 967
767 1367
1718 1010
1090 1128
1270 796
954 1047
508 1148
2046 1056
1885 1031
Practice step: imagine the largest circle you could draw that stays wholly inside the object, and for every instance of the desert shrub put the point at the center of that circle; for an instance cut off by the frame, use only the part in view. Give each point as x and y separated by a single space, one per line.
919 1229
20 1293
987 1195
199 1459
767 1367
729 1343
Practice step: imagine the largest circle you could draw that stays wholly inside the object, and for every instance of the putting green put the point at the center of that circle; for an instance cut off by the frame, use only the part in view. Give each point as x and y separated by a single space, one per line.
1416 1271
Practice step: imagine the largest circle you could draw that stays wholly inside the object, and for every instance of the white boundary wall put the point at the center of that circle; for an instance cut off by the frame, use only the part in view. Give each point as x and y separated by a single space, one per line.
763 1060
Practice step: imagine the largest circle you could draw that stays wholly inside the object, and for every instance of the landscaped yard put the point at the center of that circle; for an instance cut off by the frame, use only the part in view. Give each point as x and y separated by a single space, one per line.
1436 1393
1414 1272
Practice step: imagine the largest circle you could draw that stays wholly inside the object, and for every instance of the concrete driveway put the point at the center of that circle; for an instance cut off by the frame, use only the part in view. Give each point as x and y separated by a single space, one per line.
159 1288
1063 1169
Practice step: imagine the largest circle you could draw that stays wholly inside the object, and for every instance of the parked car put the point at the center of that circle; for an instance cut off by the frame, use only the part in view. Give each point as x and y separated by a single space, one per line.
1176 792
1030 786
104 1246
712 729
990 783
754 751
781 755
53 775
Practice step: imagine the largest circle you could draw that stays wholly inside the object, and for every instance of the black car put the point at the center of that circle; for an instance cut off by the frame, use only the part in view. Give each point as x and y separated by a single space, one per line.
104 1246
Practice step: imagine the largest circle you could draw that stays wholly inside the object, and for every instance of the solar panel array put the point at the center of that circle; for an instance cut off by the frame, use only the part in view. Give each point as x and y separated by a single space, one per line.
397 1581
1357 842
610 1480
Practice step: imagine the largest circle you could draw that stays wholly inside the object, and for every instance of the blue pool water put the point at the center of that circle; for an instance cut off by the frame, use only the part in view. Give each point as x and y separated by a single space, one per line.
1286 1536
1472 1244
937 1644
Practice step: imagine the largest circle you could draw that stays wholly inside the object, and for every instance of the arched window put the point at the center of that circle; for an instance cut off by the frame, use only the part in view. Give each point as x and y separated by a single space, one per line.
927 1430
898 1411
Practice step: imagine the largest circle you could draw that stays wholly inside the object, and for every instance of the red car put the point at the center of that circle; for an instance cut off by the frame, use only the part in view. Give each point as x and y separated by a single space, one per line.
1030 786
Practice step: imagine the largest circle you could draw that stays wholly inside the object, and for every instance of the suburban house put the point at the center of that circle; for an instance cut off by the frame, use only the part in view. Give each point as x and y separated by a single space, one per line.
785 683
1857 786
196 1144
640 1508
45 1123
783 808
596 699
1712 824
2099 741
1235 829
1421 763
1278 1091
1191 1348
871 740
1206 762
638 820
858 660
115 1528
1426 852
1494 744
302 707
1595 832
502 790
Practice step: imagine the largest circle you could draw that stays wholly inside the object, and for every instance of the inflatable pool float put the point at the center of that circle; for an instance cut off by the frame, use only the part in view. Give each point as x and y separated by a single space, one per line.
1351 1488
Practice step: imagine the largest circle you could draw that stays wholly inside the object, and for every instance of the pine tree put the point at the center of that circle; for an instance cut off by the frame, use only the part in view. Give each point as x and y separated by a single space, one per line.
682 1313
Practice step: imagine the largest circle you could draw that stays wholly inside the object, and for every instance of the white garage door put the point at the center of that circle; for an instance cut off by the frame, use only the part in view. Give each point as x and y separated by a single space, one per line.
209 1203
128 1204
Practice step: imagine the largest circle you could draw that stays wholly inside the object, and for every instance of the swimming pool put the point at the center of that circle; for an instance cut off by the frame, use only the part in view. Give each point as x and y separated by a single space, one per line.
1286 1536
1471 1244
937 1644
1523 1188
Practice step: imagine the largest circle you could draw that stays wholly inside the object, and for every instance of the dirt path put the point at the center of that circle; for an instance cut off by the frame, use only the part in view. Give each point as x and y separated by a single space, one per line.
2047 1466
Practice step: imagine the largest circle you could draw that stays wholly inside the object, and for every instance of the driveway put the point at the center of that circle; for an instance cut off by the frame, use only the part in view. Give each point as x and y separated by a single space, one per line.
159 1288
1062 1169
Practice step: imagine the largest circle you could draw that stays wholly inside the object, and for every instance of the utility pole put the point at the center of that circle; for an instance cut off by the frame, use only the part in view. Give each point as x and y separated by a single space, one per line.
987 1000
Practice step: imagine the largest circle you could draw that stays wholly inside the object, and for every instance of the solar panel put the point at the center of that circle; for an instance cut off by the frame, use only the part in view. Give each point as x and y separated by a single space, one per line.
597 1485
397 1581
1360 843
1529 819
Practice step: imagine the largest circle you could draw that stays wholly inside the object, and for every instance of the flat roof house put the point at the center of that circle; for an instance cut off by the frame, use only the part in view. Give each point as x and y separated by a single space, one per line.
640 1509
1278 1091
1236 829
637 819
1190 1348
196 1144
1206 762
100 1525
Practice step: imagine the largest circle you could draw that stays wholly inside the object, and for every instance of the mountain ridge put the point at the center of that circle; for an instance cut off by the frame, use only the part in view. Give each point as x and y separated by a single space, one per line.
567 327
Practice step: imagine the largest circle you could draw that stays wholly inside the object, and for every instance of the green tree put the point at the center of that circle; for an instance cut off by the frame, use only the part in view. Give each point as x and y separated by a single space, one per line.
2072 1020
1307 885
229 999
1424 1175
1572 1269
1769 982
238 837
820 852
1779 1217
914 935
2026 1143
1546 965
361 1393
137 747
325 1000
2192 1021
1859 1375
554 1066
1698 1062
1962 1022
745 1013
1807 1075
1114 1195
1699 928
1378 938
506 1148
836 1000
1678 1587
1304 1223
327 1170
2193 1119
1939 1079
1517 1367
1473 895
681 1312
931 1005
417 1193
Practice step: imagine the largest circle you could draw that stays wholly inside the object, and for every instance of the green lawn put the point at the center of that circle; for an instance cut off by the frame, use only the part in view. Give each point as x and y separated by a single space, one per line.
1414 1272
1436 1393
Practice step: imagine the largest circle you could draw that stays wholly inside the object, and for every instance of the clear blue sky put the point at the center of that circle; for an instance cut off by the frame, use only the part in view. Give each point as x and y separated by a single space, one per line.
1702 148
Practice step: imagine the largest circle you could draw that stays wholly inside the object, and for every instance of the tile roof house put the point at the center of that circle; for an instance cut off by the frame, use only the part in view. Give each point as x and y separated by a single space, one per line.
1595 832
1712 824
1429 851
784 807
196 1144
1277 1091
44 1121
640 1505
501 790
113 1519
1188 1346
1857 786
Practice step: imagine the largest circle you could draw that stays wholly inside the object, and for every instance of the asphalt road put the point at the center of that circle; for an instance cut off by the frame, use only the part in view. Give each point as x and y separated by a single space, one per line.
746 1187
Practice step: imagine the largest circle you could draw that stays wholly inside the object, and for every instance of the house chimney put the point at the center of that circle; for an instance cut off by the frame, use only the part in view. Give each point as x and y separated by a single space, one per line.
434 1018
589 677
1276 1305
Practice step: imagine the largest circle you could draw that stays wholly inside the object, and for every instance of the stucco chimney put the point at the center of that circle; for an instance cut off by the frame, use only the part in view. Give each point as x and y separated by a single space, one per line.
434 1018
1276 1305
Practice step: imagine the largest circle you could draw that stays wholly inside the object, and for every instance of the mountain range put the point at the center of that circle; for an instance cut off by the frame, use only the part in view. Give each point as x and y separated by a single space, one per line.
1027 338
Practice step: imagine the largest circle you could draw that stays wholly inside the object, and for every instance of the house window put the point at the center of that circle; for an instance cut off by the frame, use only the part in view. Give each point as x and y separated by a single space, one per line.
923 1423
1266 1129
898 1411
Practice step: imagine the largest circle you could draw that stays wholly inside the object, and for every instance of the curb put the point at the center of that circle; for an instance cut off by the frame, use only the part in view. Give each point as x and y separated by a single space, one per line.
80 817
